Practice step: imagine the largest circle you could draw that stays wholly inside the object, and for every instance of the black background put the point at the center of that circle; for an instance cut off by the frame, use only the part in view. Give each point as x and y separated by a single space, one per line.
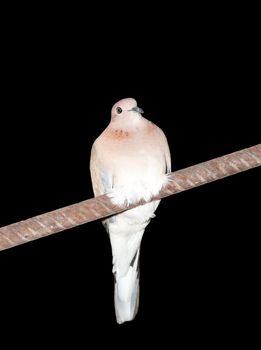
196 74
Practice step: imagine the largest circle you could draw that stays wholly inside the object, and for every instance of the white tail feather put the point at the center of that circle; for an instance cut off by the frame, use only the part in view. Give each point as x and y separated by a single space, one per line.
126 293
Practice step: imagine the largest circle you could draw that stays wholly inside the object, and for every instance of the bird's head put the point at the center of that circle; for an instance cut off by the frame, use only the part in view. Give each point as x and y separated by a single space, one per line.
125 107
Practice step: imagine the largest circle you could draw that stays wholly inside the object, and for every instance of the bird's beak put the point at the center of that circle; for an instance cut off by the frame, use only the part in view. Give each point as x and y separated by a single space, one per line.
137 109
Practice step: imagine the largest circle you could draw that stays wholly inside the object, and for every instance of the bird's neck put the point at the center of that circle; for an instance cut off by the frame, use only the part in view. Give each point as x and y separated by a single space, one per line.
128 124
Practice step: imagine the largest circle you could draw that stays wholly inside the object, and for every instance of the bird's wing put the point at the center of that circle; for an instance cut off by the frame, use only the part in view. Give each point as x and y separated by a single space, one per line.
101 178
167 158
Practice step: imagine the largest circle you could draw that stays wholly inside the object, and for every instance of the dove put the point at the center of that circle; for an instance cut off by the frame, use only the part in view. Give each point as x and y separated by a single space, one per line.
130 161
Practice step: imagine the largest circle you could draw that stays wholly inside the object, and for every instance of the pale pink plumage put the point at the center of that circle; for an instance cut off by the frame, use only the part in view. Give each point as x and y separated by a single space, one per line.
129 162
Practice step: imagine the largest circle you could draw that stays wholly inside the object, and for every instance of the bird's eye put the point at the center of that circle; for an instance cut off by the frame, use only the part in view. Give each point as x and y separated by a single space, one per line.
118 110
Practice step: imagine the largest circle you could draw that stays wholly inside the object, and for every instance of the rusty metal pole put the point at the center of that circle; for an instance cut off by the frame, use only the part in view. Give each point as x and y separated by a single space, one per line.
100 207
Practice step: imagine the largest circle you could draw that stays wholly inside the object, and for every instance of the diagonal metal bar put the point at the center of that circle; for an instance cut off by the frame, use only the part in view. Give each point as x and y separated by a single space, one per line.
100 207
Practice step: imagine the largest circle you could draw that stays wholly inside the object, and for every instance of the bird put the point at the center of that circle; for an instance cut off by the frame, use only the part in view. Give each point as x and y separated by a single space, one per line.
130 161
